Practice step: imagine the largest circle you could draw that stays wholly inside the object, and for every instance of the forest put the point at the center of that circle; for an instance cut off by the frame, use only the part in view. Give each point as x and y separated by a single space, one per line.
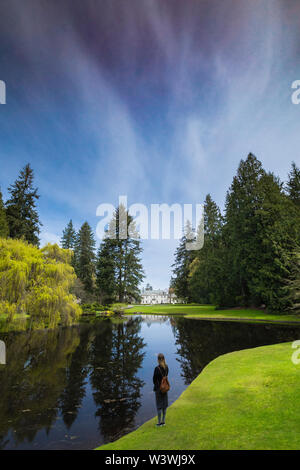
251 252
51 284
250 257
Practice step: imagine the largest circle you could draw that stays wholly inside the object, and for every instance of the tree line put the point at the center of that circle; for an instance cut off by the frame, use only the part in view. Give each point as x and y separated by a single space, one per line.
113 272
251 252
110 274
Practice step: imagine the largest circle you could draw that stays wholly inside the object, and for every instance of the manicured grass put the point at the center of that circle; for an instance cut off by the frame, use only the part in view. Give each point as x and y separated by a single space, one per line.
118 305
209 311
243 400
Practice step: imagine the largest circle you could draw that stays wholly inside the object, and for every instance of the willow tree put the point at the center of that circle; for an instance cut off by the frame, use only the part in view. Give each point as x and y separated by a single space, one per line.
37 282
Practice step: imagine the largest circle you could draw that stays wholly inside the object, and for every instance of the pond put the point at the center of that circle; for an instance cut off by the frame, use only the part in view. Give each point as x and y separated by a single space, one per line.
79 387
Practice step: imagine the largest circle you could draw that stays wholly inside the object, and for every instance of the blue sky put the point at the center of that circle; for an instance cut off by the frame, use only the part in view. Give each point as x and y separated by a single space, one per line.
154 99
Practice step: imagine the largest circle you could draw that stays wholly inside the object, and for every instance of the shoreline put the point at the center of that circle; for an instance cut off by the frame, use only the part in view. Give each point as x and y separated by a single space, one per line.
208 312
245 399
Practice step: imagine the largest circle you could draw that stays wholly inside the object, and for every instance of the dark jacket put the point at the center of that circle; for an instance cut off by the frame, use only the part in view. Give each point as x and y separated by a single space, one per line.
158 374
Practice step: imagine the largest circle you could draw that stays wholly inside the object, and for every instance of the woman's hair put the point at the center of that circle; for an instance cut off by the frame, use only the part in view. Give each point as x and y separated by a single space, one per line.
161 360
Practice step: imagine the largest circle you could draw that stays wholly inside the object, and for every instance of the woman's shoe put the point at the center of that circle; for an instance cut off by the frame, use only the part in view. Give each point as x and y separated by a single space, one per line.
158 424
162 424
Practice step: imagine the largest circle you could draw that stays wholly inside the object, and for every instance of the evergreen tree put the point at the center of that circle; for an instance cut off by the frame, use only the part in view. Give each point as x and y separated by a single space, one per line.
294 283
273 242
239 231
293 192
106 272
119 259
85 257
68 237
259 235
204 271
4 230
22 216
181 265
247 258
293 184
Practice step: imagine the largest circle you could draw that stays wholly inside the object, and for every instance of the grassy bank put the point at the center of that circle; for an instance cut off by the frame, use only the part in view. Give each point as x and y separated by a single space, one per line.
209 311
243 400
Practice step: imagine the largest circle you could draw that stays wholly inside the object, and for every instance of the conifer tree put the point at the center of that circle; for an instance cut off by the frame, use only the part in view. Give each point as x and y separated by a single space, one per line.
22 216
242 201
293 184
294 283
119 259
259 234
68 237
181 265
272 245
4 231
85 257
248 259
106 272
204 271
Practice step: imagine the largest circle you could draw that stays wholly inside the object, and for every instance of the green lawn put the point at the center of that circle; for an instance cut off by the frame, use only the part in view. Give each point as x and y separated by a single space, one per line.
209 311
243 400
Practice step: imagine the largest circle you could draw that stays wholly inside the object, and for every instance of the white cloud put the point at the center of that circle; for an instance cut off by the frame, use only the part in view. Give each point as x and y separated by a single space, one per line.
48 237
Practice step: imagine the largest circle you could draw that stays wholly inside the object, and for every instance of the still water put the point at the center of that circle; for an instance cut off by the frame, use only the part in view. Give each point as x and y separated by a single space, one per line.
80 387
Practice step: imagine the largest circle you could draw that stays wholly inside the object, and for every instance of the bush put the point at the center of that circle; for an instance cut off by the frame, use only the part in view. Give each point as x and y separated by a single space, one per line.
93 307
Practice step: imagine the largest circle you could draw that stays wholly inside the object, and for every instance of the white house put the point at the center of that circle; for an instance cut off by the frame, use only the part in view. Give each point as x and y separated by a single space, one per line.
152 297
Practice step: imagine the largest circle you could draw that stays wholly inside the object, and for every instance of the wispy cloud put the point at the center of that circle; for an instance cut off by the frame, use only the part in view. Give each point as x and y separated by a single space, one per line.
158 101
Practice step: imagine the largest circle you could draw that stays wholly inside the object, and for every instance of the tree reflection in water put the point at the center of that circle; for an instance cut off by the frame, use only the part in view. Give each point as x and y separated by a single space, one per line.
33 379
116 356
47 372
200 342
88 379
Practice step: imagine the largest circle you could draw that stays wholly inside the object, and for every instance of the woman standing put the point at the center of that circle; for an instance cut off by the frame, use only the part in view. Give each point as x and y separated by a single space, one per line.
160 371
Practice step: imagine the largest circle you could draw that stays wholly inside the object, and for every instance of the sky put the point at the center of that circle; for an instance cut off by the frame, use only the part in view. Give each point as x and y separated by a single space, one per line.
158 100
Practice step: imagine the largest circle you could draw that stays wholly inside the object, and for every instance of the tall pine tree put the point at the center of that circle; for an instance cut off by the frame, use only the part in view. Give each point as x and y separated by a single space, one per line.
68 237
181 265
84 257
294 283
239 231
22 216
119 268
293 184
106 272
259 234
4 230
205 270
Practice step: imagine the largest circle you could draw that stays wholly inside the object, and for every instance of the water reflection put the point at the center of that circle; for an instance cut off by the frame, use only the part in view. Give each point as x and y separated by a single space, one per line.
33 380
199 342
80 386
115 357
